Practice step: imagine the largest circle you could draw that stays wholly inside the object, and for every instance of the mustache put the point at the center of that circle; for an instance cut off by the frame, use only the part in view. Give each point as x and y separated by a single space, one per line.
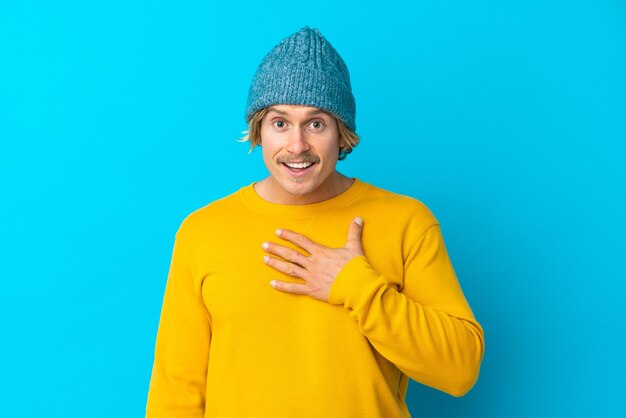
304 158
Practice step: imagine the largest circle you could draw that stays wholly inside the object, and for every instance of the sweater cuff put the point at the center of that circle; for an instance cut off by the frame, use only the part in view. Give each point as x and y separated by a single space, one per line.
356 282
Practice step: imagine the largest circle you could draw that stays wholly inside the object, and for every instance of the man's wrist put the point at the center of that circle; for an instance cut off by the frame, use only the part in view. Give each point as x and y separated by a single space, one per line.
356 276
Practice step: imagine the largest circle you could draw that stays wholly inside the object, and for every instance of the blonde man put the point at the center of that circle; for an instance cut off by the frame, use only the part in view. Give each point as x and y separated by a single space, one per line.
309 293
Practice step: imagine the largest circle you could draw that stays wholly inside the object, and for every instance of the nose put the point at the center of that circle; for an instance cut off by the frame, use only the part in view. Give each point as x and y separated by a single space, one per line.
297 142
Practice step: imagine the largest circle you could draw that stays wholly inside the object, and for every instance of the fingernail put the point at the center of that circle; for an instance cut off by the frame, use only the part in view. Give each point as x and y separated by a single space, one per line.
265 245
266 259
273 283
358 221
279 231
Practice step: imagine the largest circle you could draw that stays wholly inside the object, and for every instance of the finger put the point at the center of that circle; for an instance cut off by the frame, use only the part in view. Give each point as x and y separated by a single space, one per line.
294 288
355 235
298 239
285 267
288 254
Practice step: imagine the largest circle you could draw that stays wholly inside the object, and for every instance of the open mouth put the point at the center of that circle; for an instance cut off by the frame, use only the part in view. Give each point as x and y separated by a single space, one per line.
298 168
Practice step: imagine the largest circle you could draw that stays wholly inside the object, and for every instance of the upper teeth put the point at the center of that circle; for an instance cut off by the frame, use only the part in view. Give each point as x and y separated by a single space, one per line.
298 165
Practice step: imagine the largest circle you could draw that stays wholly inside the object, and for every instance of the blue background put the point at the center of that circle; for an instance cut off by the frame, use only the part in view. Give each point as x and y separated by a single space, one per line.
507 119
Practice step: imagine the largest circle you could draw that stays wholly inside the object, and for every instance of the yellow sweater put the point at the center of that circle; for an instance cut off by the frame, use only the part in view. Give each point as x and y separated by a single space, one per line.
229 345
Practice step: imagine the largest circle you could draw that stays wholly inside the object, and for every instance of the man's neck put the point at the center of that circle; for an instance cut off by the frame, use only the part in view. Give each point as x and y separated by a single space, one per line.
270 190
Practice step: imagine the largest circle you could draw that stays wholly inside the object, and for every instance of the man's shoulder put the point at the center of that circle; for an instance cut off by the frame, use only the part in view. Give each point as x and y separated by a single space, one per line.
213 214
398 204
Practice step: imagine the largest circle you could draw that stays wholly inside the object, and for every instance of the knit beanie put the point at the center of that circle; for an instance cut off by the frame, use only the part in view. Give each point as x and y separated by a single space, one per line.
303 69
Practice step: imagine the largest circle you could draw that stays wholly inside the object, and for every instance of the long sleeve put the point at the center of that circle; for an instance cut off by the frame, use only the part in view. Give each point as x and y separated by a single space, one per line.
177 386
425 327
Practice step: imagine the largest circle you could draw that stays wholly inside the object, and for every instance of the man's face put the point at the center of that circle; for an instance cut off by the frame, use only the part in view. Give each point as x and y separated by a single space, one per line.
300 149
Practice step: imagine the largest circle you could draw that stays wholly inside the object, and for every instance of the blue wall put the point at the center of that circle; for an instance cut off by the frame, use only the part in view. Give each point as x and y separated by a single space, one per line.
506 118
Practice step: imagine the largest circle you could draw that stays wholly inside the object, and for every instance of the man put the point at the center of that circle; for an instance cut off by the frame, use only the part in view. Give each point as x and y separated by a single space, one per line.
309 293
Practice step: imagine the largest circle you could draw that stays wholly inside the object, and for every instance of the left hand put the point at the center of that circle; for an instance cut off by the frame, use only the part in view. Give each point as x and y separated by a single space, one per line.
320 268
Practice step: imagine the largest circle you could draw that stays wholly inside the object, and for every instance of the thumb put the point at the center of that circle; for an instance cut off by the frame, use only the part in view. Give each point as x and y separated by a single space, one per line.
355 234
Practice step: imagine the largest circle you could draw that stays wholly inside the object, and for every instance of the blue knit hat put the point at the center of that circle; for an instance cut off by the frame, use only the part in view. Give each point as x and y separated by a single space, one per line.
304 69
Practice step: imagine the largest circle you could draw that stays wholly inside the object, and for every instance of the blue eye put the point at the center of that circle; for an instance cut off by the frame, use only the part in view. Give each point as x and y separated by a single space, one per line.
279 123
317 124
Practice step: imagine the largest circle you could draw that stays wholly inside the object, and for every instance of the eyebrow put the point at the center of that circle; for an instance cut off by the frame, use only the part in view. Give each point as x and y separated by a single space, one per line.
309 113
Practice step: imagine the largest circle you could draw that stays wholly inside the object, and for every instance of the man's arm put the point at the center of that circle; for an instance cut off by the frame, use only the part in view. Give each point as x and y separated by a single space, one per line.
426 329
177 386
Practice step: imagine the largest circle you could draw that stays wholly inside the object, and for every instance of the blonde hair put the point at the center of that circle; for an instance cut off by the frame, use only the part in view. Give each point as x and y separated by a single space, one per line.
347 139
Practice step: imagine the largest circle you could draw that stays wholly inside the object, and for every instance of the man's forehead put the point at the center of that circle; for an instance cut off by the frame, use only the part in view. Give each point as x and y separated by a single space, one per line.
285 109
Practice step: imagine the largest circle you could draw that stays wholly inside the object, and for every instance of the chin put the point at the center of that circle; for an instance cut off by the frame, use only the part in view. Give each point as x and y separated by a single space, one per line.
300 188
